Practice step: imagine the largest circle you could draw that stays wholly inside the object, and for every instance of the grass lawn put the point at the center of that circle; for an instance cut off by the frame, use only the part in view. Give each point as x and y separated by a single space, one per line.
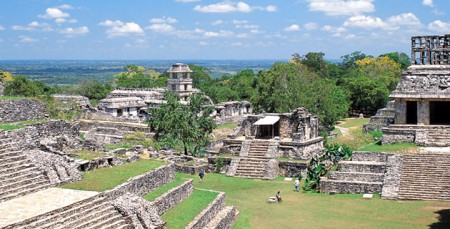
161 190
88 155
117 146
13 98
19 125
181 215
227 126
354 122
310 210
397 148
107 178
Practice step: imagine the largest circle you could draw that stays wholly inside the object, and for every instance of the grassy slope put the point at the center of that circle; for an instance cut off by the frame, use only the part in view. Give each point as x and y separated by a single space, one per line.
19 125
107 178
186 211
161 190
306 210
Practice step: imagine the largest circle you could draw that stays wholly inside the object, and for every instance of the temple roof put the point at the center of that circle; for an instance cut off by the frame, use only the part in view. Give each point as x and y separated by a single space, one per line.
424 82
179 67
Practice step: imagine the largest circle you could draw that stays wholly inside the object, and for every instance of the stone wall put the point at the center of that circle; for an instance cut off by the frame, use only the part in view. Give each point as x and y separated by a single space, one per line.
271 169
2 89
301 150
145 183
391 136
21 110
394 165
52 136
60 169
173 197
208 213
292 168
190 169
142 213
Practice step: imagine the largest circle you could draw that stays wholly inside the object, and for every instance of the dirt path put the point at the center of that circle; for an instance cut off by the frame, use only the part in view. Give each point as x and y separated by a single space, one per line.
344 131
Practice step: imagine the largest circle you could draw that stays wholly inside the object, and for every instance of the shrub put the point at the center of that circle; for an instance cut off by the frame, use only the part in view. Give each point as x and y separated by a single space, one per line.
219 164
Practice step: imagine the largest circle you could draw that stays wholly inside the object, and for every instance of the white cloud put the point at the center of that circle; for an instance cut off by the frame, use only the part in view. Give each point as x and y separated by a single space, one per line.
2 28
161 28
138 43
246 26
350 36
271 8
237 22
292 28
187 1
119 28
111 23
66 7
366 22
341 7
229 6
163 20
311 26
427 2
217 22
75 31
211 34
408 19
33 26
439 26
26 39
53 13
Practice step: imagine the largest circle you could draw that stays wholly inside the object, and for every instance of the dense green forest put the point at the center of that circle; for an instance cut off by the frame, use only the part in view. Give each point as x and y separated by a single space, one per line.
359 83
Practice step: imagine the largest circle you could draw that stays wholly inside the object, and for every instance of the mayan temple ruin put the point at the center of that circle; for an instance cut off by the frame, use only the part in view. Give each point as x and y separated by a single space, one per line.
419 114
422 97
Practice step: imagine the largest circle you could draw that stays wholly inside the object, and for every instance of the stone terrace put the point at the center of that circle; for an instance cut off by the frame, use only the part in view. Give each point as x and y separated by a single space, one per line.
363 174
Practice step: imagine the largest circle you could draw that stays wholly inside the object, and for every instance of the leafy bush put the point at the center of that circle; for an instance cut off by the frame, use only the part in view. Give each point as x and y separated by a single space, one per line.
376 135
317 167
139 138
219 164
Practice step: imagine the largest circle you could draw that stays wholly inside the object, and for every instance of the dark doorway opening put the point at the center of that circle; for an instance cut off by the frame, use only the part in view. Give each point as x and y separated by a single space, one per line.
119 112
411 112
269 131
440 113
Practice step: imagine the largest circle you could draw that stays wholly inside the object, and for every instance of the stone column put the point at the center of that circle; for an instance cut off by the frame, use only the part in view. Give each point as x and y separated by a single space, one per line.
400 112
423 113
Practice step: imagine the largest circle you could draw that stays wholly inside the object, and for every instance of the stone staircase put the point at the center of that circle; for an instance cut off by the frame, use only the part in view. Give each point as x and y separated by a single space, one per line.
425 176
383 118
253 165
363 174
18 176
94 212
440 137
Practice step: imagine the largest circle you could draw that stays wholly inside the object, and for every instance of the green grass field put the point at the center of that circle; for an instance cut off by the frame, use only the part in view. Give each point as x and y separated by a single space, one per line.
161 190
107 178
397 148
181 215
309 210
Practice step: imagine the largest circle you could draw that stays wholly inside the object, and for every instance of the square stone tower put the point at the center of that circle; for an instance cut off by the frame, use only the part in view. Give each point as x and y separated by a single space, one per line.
180 81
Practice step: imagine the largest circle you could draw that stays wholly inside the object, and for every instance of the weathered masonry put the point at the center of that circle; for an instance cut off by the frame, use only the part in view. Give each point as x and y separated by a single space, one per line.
422 97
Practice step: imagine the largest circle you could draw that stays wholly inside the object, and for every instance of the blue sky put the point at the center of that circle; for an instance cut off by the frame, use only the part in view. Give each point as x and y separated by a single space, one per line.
213 29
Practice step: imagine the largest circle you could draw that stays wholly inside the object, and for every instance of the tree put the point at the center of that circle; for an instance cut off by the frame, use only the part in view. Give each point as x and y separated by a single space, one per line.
285 87
400 58
5 76
93 89
188 126
349 60
138 77
22 86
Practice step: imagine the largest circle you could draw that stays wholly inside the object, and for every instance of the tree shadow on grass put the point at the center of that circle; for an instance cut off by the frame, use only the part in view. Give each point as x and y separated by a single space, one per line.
444 220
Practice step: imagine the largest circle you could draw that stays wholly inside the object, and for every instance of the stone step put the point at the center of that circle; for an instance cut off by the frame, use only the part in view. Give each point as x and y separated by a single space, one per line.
118 224
18 166
24 190
27 172
89 218
16 183
67 213
9 153
369 156
362 166
351 176
252 162
104 218
13 164
341 187
4 140
12 159
260 176
222 219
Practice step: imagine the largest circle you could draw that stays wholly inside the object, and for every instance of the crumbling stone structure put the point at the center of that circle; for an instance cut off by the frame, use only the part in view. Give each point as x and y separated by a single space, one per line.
422 97
82 101
260 139
2 89
232 111
21 110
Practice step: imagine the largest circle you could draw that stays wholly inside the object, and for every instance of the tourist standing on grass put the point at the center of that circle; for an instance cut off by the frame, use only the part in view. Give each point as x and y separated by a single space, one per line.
297 184
201 174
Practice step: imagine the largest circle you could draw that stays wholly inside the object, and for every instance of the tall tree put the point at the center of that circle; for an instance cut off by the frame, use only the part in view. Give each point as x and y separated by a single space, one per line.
135 76
177 124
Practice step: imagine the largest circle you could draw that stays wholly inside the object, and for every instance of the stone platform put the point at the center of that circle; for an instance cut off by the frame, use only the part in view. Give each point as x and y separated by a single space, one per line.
25 207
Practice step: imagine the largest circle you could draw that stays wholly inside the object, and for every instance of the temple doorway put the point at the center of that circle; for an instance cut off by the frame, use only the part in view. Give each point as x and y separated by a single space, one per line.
440 113
411 112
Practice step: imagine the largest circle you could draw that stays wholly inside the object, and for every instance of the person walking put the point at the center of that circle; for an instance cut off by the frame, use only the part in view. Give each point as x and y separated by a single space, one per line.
201 175
297 184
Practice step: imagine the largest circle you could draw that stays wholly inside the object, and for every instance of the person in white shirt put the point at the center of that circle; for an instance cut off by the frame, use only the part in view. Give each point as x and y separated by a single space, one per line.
297 184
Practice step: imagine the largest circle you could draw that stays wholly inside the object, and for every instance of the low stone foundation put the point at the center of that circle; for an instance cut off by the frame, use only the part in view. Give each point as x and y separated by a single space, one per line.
292 168
145 183
173 197
208 213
